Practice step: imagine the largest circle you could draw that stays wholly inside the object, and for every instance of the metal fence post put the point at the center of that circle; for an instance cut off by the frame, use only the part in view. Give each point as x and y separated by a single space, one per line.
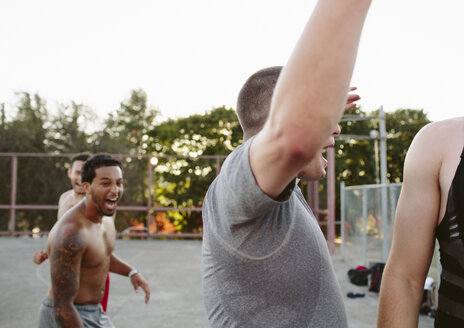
150 174
14 178
383 181
364 236
331 199
342 218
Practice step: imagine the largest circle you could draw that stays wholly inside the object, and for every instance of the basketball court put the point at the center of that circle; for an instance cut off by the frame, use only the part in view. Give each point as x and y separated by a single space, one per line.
173 270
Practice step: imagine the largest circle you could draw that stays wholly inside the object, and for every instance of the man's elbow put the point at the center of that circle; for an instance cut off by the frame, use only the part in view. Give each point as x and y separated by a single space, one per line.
63 310
301 146
62 305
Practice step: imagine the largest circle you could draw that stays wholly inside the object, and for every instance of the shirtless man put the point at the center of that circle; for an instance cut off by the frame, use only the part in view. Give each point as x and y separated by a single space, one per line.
80 248
69 198
431 205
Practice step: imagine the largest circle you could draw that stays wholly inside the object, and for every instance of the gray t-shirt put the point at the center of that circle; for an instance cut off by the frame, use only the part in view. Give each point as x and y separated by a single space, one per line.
265 262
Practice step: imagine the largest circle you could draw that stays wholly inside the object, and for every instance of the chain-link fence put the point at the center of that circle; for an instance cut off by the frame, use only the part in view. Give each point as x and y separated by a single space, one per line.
367 215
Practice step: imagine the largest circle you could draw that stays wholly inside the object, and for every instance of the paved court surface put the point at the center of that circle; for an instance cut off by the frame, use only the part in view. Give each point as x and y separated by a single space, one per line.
172 267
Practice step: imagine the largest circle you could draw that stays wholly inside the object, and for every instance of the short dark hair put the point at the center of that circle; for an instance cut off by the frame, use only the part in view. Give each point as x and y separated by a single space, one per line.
80 157
254 100
94 162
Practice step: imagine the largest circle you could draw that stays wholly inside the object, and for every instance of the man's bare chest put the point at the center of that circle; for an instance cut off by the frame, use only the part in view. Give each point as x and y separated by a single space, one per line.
100 245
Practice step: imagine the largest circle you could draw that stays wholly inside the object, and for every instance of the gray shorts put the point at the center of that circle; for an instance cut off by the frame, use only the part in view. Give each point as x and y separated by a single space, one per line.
92 316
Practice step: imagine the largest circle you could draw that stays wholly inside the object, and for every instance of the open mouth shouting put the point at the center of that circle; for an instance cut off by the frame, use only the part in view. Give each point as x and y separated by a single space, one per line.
110 203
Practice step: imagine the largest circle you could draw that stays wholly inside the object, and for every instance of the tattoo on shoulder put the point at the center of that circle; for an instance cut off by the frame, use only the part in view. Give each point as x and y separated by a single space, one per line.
68 246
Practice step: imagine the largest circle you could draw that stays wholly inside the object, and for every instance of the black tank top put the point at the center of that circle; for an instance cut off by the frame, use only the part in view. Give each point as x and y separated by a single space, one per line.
450 235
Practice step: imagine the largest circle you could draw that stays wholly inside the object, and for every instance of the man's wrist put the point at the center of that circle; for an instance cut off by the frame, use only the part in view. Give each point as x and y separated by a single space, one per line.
132 272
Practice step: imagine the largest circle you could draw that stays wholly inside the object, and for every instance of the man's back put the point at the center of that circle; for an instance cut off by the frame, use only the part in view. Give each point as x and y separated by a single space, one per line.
265 262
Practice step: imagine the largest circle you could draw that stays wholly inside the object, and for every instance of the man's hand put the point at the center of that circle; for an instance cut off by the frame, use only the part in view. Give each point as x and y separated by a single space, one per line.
351 99
39 256
137 280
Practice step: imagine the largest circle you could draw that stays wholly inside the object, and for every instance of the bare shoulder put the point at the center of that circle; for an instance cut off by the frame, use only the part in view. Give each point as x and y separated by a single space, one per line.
68 241
443 130
68 231
438 139
64 196
67 201
433 157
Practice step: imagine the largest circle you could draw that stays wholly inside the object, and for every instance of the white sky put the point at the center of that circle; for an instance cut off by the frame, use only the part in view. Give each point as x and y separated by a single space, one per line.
193 55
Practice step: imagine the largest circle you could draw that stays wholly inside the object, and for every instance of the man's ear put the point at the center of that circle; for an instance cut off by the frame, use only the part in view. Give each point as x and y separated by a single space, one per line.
86 186
69 173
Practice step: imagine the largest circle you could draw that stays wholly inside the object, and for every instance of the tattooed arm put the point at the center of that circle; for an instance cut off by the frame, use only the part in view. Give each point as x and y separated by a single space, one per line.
65 264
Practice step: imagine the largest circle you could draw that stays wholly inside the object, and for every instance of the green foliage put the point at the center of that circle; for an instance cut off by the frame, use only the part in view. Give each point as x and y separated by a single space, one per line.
27 131
215 133
402 125
355 159
127 131
68 130
36 183
180 178
183 182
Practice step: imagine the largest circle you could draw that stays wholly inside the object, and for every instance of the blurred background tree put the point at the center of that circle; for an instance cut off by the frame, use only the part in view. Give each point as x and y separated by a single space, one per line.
182 182
355 159
135 128
26 132
127 132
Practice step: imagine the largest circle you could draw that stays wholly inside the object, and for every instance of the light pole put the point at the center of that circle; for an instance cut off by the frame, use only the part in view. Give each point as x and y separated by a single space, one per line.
374 134
380 156
383 182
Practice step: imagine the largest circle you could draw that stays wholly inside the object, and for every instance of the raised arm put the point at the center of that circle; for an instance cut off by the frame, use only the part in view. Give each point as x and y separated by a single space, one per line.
65 264
414 239
137 280
310 96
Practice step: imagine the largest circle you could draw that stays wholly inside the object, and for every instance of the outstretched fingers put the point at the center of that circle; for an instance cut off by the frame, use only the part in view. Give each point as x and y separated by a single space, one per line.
350 102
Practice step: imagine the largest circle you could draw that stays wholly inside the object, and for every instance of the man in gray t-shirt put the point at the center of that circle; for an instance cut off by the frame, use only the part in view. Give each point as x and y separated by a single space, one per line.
265 260
267 265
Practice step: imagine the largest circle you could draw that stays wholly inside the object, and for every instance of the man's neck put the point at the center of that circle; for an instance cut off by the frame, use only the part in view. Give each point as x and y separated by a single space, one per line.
91 212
